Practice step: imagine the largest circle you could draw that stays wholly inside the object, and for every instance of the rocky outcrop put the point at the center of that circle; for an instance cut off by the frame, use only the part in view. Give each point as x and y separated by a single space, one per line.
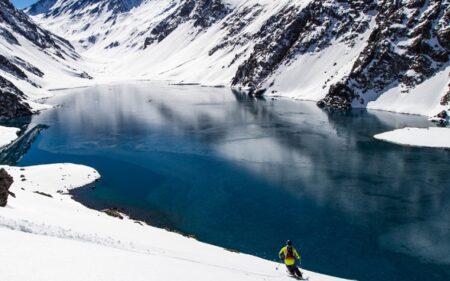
234 26
8 37
203 13
445 100
441 119
28 66
11 68
294 31
113 212
409 44
340 96
5 183
12 103
23 41
21 24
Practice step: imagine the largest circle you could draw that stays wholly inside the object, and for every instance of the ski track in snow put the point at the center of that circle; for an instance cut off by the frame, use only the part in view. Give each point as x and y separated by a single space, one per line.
63 233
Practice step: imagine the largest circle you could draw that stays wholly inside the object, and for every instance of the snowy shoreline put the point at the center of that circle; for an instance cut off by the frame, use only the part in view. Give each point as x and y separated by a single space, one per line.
418 137
7 135
60 237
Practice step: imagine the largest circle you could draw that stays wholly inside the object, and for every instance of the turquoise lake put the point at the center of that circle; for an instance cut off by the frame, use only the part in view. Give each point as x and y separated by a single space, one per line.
248 174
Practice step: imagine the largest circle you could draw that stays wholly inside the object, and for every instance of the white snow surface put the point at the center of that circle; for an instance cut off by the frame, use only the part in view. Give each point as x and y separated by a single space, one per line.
56 238
424 137
7 135
423 100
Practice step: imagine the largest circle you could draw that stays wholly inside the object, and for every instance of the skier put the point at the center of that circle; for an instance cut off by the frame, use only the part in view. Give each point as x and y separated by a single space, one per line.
289 254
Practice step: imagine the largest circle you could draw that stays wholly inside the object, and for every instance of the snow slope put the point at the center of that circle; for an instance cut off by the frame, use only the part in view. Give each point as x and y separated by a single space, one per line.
7 135
208 55
61 239
424 137
33 59
423 100
381 49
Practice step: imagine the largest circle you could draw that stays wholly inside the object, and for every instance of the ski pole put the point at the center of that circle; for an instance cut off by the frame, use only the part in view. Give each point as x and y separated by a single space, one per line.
278 266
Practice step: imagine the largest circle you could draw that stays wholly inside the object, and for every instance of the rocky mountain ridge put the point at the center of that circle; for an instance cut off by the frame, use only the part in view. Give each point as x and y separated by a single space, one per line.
90 7
410 43
27 54
340 53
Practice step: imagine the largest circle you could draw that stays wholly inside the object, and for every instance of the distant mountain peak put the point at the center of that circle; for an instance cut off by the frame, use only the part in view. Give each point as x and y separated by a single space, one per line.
80 7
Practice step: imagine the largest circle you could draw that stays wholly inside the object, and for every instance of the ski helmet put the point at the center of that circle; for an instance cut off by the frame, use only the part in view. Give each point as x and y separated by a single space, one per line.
289 243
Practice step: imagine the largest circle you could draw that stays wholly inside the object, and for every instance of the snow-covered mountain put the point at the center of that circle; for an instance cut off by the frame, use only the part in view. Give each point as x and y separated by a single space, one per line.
31 58
385 54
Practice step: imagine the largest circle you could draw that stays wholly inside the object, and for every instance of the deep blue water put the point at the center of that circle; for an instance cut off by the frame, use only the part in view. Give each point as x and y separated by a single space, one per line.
248 174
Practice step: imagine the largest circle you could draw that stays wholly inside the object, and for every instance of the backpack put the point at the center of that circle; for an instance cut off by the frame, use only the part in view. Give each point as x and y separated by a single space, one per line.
289 252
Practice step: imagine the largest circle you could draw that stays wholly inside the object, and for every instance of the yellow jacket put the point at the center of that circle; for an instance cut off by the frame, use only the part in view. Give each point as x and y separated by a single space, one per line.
288 260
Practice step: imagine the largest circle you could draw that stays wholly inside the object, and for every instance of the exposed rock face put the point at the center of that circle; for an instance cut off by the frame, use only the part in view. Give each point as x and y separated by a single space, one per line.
295 31
409 45
203 13
23 25
8 36
5 183
28 66
113 6
12 102
443 114
39 46
11 68
386 43
340 96
234 26
441 119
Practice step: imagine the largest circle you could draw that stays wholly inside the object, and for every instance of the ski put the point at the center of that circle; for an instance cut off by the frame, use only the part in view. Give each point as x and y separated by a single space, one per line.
298 278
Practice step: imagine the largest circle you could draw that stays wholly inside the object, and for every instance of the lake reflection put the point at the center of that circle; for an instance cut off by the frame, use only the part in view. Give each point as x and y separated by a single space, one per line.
248 174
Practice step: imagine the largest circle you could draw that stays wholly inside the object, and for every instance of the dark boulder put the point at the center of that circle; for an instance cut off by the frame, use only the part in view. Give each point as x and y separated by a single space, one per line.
339 96
321 104
441 119
113 212
443 114
5 183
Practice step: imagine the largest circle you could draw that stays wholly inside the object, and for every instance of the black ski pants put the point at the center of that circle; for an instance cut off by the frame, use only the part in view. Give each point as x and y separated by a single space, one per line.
293 269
